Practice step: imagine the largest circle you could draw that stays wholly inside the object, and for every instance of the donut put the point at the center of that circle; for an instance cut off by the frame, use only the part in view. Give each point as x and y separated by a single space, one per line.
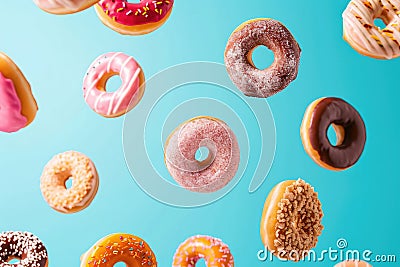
17 105
353 263
64 6
238 57
119 247
211 249
361 33
349 128
134 18
113 104
85 182
291 220
22 246
212 173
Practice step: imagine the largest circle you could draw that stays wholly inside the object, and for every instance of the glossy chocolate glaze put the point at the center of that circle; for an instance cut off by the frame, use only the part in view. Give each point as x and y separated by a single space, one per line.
337 111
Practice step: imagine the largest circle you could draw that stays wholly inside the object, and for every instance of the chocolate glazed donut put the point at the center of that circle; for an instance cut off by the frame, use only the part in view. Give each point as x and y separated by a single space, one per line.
349 128
238 57
23 246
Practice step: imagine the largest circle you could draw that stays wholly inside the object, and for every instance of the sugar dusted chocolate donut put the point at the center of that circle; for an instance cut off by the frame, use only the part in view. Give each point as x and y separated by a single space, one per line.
238 57
349 128
217 170
23 246
211 249
291 220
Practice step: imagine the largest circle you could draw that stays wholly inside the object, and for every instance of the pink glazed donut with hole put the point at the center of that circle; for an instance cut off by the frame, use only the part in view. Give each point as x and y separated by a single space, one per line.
113 104
212 173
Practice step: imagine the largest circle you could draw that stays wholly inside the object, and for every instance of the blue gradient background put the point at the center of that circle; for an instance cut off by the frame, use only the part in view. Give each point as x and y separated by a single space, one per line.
360 204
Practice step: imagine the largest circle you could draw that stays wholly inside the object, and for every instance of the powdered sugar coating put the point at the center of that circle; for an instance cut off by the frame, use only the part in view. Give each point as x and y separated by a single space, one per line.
274 35
217 170
23 246
215 252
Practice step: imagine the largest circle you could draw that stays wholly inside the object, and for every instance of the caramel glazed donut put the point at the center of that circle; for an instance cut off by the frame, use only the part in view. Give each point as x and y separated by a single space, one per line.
23 246
366 38
238 57
126 248
17 104
134 18
349 128
291 220
211 249
85 182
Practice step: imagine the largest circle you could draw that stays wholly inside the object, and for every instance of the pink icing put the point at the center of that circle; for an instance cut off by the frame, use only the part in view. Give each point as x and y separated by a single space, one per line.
131 14
10 107
217 170
112 104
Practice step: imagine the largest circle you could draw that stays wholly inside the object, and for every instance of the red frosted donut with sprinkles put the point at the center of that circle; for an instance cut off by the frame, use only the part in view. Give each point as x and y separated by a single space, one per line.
217 169
22 246
134 18
211 249
113 104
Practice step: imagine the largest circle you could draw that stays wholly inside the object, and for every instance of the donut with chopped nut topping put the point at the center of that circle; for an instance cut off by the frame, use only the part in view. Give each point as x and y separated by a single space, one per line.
85 182
291 220
22 246
245 75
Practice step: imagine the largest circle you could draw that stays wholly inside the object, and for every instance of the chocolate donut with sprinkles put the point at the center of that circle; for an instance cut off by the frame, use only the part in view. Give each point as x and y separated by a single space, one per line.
22 246
115 248
134 18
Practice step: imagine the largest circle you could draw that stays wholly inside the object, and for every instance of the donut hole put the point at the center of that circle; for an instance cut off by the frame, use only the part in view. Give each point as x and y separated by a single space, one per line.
14 260
261 57
68 183
113 83
201 263
335 134
378 22
120 264
202 154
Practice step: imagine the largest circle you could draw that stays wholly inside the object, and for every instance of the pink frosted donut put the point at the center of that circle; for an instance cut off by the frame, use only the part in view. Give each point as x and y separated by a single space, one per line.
212 173
64 6
113 104
238 57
